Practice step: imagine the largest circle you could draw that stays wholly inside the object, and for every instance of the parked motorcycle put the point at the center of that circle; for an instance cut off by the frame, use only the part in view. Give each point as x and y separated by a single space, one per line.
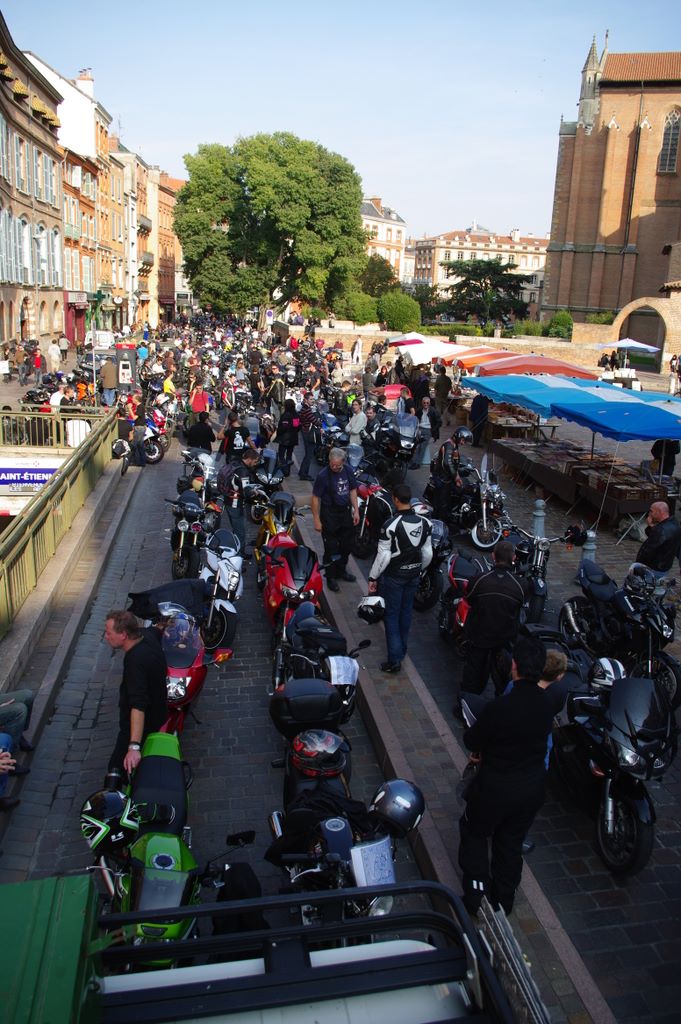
222 572
632 622
200 599
430 583
454 608
493 520
194 521
532 553
611 738
142 843
277 516
269 477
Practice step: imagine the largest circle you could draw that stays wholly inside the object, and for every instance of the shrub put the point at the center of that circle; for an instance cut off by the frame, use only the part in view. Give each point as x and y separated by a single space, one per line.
606 317
560 325
399 311
358 307
529 328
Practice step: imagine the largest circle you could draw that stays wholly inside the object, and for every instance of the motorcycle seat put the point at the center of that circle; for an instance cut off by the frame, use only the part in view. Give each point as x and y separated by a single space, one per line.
597 581
161 780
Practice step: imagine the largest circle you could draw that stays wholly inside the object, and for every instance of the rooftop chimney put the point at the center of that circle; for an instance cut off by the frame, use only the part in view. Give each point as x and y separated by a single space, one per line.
515 234
86 82
378 203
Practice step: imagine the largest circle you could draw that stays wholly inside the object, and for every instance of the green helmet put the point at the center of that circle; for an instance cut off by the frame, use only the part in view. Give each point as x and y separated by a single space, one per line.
108 821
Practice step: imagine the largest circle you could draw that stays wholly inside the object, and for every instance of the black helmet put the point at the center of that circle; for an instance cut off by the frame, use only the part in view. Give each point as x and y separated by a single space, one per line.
318 753
371 609
604 672
108 821
120 448
639 578
398 805
463 435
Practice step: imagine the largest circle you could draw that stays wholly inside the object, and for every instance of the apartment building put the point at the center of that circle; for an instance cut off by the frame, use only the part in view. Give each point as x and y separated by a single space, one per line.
31 240
80 245
386 233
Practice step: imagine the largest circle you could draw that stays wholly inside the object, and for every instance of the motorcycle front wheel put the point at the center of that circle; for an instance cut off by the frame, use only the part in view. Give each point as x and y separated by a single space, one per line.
125 462
666 672
221 631
627 849
185 564
428 592
362 544
153 451
486 537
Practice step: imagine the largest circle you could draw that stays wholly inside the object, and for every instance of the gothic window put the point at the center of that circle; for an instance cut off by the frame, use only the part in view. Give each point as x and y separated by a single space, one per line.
670 143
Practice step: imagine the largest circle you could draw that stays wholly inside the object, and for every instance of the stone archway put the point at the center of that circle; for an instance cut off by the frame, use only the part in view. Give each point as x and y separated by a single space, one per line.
669 311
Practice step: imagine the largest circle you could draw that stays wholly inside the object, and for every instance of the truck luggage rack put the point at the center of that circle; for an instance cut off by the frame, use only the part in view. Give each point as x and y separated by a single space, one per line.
283 966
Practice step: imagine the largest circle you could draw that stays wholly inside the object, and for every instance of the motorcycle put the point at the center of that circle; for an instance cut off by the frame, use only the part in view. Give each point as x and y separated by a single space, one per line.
430 583
331 435
269 477
375 507
198 474
222 572
153 449
493 520
397 441
454 608
277 516
311 648
632 622
532 555
140 837
610 740
193 522
200 599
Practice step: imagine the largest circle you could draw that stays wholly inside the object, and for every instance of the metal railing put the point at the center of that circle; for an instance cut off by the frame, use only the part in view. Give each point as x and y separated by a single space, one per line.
27 546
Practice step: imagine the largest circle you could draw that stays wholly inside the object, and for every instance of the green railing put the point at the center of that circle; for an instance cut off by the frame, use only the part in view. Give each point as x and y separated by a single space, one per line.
29 543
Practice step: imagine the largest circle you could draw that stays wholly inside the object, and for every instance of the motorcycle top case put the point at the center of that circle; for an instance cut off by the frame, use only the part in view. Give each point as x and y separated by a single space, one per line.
306 704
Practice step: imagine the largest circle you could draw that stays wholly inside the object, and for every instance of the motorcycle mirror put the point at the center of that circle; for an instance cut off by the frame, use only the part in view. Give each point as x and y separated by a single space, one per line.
241 838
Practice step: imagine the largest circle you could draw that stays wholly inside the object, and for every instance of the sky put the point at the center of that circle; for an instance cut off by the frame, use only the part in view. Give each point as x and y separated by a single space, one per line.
448 110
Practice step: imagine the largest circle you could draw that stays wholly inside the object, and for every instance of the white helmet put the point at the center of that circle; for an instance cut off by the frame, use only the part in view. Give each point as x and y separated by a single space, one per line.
371 609
604 672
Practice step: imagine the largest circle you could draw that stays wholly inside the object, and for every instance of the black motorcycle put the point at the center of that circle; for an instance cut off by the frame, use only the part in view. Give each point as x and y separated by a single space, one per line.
609 740
194 522
431 583
532 553
632 623
269 476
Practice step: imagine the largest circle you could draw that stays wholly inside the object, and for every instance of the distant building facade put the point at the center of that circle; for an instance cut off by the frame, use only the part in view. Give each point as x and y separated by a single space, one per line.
617 199
386 233
31 240
526 252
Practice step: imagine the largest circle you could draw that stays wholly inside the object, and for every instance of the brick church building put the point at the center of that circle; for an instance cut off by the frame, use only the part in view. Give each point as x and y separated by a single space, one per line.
616 226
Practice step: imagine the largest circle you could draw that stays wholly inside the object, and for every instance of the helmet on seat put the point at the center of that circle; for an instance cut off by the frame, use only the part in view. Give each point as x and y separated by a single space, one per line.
371 609
108 822
398 805
318 753
639 578
462 435
604 672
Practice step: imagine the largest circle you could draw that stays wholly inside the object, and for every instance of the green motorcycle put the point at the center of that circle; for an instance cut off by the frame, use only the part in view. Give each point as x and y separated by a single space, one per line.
141 840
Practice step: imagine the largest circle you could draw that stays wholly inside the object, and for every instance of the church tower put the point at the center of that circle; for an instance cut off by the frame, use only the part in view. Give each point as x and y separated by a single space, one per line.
591 75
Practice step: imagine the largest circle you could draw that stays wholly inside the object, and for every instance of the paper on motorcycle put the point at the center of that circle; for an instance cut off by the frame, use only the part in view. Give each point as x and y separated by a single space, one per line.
372 862
343 671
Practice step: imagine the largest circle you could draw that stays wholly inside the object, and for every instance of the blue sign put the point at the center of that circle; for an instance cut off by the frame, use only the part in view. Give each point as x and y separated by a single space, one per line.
25 476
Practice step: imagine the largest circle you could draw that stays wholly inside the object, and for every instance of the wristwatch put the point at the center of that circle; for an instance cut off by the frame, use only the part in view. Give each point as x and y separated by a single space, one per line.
133 746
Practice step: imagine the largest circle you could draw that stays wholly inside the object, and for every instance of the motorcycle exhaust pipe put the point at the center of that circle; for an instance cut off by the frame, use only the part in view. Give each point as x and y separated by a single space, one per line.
276 823
608 809
570 616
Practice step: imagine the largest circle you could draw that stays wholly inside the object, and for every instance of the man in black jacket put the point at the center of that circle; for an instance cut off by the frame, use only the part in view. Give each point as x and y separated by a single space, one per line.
509 742
663 539
496 598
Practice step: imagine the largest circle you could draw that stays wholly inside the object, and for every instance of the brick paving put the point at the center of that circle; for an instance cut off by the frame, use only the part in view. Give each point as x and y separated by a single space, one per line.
229 744
627 932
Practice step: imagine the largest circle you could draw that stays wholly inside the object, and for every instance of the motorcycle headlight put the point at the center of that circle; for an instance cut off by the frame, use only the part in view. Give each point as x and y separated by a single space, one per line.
176 689
628 758
543 544
381 906
290 592
196 527
667 632
307 595
183 525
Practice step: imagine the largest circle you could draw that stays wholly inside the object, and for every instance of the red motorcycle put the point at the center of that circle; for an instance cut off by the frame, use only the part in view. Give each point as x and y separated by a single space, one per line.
375 507
292 576
454 607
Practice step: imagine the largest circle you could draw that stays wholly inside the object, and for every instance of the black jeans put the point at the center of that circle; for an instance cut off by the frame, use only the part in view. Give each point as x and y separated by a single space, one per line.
337 531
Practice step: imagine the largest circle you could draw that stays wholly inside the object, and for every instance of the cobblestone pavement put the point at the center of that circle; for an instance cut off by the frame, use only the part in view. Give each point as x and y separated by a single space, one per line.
230 744
628 932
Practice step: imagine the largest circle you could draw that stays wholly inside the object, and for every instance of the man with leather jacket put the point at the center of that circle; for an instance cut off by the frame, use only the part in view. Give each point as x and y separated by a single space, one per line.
663 539
495 600
446 478
509 744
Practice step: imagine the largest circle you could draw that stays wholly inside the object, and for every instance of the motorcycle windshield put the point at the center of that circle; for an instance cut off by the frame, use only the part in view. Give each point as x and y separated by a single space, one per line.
181 644
158 889
638 711
283 505
406 425
355 454
302 562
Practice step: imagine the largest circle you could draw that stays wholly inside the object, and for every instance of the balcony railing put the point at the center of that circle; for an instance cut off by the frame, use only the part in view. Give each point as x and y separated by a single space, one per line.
143 223
71 231
147 259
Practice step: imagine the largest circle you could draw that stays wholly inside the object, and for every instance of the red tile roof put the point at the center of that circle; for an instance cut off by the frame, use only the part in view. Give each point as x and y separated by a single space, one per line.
642 67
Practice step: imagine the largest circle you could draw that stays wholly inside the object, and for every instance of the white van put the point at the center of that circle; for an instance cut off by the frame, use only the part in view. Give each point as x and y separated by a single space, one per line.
103 339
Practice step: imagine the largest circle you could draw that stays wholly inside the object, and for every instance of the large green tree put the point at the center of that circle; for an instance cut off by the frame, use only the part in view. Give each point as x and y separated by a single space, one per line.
270 219
399 311
378 276
489 289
